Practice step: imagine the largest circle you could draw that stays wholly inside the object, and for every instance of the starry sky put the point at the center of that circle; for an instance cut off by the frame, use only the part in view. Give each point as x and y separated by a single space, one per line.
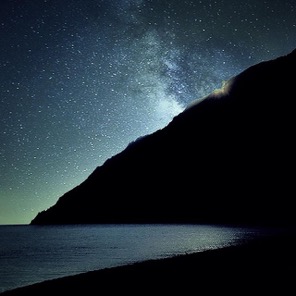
80 79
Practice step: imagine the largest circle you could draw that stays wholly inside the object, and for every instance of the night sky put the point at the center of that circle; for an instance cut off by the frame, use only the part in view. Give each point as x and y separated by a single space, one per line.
80 79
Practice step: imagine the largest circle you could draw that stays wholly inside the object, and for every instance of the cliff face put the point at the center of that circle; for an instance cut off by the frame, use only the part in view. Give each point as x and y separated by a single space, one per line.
226 159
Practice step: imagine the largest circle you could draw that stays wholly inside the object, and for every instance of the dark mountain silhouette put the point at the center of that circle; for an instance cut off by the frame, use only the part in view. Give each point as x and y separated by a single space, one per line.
228 158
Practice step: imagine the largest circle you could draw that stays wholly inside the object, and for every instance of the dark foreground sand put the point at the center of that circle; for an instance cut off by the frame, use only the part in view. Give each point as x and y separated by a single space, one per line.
263 267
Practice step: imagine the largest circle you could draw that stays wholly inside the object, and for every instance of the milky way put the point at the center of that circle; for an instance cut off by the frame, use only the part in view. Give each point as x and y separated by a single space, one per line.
80 80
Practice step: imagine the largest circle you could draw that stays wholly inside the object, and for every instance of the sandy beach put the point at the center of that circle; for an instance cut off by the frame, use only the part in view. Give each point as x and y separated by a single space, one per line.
263 266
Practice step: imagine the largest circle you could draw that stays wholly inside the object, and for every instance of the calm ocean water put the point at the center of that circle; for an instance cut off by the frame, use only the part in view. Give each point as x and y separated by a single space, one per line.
30 254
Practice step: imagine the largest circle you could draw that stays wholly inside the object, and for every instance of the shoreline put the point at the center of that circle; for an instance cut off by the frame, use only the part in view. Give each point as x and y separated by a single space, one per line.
265 264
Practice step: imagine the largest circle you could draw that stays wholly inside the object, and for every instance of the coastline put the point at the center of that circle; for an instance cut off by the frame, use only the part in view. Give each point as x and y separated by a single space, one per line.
265 264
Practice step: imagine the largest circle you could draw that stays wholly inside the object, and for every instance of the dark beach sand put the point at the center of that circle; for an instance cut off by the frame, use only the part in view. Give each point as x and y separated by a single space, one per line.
265 266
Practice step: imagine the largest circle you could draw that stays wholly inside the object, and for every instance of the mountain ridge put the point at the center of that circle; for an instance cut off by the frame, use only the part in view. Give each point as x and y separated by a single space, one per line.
227 158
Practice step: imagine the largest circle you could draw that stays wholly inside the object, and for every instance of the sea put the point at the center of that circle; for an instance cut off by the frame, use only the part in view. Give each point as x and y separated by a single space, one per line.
31 254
